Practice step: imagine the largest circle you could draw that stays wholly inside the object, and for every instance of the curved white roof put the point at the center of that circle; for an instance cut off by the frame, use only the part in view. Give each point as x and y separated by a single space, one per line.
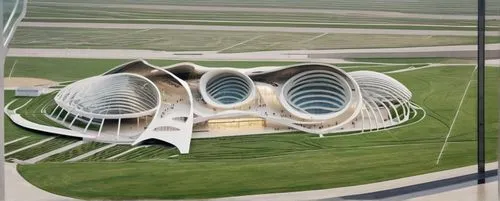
114 96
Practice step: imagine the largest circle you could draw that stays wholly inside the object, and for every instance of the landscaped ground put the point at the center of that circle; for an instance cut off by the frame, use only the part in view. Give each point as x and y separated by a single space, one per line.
269 163
224 41
422 6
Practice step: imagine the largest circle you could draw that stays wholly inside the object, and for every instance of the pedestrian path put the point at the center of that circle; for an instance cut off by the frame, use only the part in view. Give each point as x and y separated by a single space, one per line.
16 140
54 152
90 153
485 192
125 152
344 193
18 189
29 146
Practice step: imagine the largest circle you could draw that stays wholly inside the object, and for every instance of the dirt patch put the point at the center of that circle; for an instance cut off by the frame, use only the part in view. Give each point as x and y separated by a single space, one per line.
14 82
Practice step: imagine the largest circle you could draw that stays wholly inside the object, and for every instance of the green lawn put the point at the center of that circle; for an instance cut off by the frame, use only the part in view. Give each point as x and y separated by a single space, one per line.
413 25
103 155
154 152
455 7
83 68
63 12
12 131
33 110
208 40
51 145
20 144
82 149
62 69
291 162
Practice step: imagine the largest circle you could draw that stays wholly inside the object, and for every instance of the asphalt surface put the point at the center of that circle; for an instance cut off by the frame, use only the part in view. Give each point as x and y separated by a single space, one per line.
334 56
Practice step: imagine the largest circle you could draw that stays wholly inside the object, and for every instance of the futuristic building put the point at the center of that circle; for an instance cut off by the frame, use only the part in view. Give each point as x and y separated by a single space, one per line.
137 101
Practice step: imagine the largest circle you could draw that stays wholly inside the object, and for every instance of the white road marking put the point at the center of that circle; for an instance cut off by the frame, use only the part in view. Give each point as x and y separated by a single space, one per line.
90 153
314 38
16 140
54 152
241 43
29 146
125 152
12 69
455 118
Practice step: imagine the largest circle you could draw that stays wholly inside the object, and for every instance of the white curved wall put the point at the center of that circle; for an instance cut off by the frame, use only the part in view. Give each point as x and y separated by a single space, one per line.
226 88
316 94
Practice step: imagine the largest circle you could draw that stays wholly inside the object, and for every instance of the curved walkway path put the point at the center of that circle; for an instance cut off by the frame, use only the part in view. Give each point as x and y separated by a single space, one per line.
18 189
431 186
381 190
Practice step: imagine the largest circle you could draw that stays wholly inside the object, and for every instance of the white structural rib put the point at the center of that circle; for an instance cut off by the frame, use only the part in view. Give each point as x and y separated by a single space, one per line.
90 153
384 97
164 125
115 96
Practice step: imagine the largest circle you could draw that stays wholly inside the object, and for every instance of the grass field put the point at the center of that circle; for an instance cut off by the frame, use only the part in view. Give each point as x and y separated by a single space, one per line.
103 155
194 40
75 69
492 25
51 145
82 68
422 6
20 144
84 148
33 110
290 162
98 12
37 10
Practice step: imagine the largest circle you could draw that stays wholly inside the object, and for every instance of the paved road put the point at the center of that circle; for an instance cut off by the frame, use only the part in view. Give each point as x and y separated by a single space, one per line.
386 14
345 193
18 189
291 55
291 23
486 192
255 28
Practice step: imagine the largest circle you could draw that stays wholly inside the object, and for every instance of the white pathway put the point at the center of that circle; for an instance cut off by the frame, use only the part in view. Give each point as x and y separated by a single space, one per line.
353 190
279 55
16 140
486 192
29 146
18 189
125 152
48 154
90 153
